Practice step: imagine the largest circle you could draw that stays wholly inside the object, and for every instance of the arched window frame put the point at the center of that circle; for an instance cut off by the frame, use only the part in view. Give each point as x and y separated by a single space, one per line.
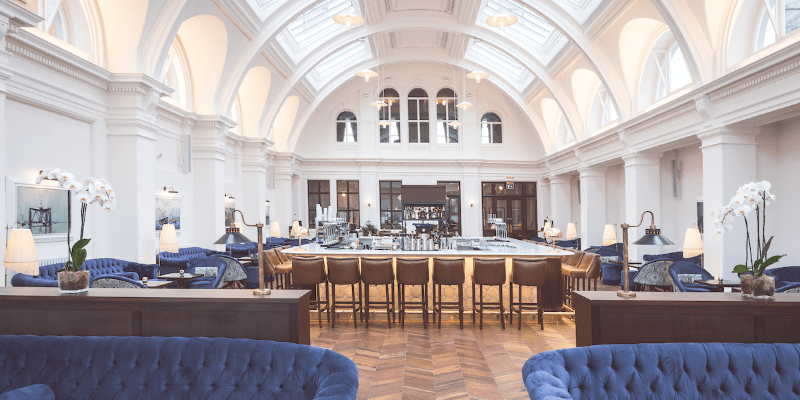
418 117
347 126
491 130
176 75
777 19
665 71
389 133
564 135
602 112
56 21
446 113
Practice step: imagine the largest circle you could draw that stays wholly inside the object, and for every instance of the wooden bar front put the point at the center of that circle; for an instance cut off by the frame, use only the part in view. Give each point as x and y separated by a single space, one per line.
282 316
669 317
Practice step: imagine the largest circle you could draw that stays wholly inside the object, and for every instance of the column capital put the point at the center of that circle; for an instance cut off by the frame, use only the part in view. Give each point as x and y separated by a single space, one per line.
642 158
732 134
593 171
209 136
543 182
559 180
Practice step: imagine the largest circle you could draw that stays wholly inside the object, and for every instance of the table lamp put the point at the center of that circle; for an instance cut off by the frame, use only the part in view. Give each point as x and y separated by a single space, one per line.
609 235
21 256
652 237
553 233
274 230
232 235
572 231
168 240
693 243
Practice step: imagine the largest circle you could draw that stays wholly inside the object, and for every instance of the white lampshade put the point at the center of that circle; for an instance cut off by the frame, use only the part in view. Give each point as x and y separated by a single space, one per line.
275 229
168 241
609 235
21 256
295 227
547 225
572 231
552 232
692 243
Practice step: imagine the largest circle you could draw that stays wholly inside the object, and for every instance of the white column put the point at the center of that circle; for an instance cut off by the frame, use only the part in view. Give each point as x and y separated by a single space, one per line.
729 161
5 75
593 206
131 129
254 185
208 165
642 193
560 202
282 205
542 201
471 203
369 192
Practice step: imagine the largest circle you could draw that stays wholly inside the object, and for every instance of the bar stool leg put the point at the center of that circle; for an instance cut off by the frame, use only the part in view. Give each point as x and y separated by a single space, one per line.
333 306
473 305
481 303
366 305
353 296
502 317
519 323
401 305
389 307
461 306
394 304
439 300
319 304
511 303
360 303
327 303
539 308
426 301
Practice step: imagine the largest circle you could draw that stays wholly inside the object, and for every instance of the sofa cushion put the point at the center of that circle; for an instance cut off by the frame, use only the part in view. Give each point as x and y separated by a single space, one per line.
609 259
32 392
689 278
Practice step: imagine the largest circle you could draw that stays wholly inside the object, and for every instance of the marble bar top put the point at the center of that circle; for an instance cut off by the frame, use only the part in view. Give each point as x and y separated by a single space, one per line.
509 248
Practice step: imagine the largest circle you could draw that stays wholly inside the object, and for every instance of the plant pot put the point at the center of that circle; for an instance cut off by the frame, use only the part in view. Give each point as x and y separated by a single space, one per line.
747 285
70 282
764 287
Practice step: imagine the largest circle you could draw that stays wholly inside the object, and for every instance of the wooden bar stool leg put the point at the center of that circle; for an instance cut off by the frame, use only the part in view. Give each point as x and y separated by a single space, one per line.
439 301
461 306
539 308
401 305
473 304
319 304
425 306
481 303
500 297
519 323
366 305
327 303
360 303
353 296
394 304
388 308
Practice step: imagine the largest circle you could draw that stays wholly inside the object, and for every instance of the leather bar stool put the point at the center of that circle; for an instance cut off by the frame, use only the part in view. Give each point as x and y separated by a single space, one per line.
412 272
489 272
378 271
448 272
569 264
311 272
344 271
283 270
527 272
576 277
269 270
283 257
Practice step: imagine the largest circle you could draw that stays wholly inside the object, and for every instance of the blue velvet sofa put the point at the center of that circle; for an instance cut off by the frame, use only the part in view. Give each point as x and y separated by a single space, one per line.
74 367
687 268
98 266
785 278
610 271
666 371
174 262
675 256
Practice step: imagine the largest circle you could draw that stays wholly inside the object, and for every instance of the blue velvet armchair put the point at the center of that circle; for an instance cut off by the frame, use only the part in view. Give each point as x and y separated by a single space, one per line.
610 270
98 266
688 268
173 262
674 256
115 282
785 278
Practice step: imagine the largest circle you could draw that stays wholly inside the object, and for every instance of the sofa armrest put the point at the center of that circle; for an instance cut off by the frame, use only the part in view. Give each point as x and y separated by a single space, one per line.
172 263
32 392
130 275
541 380
22 280
143 270
340 377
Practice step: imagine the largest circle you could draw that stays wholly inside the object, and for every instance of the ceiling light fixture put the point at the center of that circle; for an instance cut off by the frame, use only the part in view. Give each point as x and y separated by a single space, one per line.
366 74
378 104
501 20
348 20
478 74
464 104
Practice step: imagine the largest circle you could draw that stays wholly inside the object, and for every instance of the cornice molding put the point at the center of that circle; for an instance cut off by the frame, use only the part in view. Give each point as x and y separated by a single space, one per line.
740 87
96 77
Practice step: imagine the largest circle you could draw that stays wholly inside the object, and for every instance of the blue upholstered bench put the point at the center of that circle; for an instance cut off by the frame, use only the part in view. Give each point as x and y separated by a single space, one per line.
98 266
666 371
173 262
72 367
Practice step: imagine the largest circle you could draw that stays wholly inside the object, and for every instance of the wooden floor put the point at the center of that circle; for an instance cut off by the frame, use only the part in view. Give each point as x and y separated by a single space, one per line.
417 363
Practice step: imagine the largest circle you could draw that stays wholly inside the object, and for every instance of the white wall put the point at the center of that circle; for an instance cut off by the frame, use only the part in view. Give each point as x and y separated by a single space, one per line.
679 212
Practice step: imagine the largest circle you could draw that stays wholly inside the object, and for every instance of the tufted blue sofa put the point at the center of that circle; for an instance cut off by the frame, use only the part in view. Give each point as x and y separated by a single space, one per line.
674 256
174 262
610 271
98 266
785 278
666 371
174 368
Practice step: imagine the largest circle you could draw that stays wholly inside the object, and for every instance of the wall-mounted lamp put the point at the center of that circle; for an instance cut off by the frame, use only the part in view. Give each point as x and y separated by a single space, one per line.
171 190
229 196
471 202
369 203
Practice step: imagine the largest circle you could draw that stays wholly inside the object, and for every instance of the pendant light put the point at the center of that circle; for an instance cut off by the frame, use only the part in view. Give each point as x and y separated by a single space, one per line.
501 20
454 124
348 20
378 104
464 104
366 73
477 74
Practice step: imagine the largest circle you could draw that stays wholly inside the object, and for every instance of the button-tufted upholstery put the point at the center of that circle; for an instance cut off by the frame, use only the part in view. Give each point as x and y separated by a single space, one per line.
785 278
174 368
98 266
174 262
675 256
666 371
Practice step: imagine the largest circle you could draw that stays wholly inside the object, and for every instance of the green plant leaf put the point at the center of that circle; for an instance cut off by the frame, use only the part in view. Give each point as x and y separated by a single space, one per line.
756 264
80 244
766 246
770 261
740 269
79 258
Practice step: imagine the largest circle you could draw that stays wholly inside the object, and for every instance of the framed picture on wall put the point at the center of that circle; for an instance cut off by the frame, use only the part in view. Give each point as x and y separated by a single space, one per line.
700 215
168 210
45 209
266 209
230 205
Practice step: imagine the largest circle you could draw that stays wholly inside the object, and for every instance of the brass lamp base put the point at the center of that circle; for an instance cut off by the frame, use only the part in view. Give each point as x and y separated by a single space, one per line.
261 292
626 293
554 251
300 249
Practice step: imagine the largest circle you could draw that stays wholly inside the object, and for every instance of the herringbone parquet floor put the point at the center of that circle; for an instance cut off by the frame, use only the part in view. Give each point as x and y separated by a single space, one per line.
417 363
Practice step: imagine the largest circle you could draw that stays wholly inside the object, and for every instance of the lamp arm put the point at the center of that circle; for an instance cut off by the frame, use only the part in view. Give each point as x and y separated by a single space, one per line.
641 220
233 219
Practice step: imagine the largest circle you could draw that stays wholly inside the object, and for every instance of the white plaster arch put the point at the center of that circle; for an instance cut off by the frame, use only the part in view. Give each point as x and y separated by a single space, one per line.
284 122
697 52
253 94
205 40
158 39
124 22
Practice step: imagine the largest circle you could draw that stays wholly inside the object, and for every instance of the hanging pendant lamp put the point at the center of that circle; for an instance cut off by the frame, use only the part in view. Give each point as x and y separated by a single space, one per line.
464 104
348 20
378 104
501 20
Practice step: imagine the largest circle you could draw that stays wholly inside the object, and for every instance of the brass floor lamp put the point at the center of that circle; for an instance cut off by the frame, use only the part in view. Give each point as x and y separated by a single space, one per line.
232 235
652 237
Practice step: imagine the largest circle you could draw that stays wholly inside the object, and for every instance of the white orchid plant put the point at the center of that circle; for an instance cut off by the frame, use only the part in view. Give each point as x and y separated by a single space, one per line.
92 190
754 196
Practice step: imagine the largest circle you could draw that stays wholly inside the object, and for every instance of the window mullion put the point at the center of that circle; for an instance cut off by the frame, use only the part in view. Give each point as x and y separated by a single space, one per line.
51 15
661 70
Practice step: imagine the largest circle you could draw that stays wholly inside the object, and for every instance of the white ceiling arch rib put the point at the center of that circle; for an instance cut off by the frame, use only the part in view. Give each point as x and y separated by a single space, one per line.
348 74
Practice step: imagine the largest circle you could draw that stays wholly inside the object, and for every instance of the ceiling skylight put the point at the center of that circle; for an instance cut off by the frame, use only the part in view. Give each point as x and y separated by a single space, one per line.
352 54
532 32
314 27
499 63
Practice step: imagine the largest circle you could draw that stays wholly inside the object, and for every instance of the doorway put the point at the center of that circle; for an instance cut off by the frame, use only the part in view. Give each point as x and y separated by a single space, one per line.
515 203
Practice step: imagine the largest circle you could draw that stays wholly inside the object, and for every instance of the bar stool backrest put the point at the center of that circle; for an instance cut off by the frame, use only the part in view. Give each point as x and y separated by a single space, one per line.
343 270
591 264
448 271
412 271
489 271
309 271
269 269
272 254
377 271
586 261
529 271
574 259
283 257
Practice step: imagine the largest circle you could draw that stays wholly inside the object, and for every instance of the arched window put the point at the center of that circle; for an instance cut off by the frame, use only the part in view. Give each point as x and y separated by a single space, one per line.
346 127
778 18
418 116
491 129
664 71
602 112
389 116
175 76
446 116
55 23
236 113
564 135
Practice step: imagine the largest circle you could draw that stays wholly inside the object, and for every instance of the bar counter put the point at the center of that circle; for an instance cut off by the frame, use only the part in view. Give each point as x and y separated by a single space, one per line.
512 248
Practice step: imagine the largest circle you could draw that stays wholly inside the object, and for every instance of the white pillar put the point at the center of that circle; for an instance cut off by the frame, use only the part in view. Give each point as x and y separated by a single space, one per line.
131 129
593 206
642 193
5 75
729 161
208 165
542 201
282 204
254 185
369 192
471 203
560 202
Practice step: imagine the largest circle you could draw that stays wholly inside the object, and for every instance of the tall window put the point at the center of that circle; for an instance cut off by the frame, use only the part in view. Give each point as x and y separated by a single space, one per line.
564 135
348 201
602 112
418 125
389 116
54 13
491 129
319 192
391 211
778 19
446 113
672 71
346 127
453 205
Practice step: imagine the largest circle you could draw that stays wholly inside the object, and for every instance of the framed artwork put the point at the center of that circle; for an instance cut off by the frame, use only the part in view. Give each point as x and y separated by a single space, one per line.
44 209
230 205
168 211
700 216
266 209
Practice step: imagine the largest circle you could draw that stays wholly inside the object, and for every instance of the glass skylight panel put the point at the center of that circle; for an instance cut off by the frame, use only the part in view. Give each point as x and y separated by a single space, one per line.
499 63
314 25
350 55
530 29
